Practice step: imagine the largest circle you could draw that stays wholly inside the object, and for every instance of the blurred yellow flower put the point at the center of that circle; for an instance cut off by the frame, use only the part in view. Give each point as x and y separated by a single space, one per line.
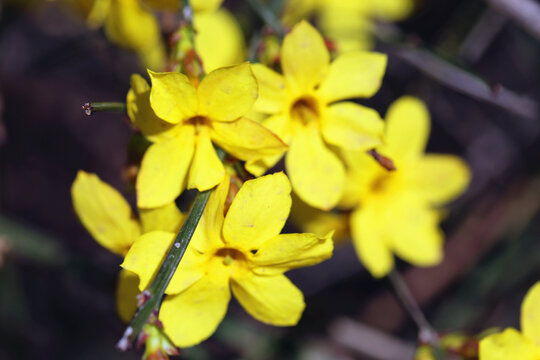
109 219
395 211
304 113
184 124
348 23
511 344
242 251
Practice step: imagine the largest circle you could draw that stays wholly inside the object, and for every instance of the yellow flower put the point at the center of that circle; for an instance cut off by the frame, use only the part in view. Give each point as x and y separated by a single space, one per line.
511 344
395 211
304 113
109 219
129 24
348 23
184 124
242 251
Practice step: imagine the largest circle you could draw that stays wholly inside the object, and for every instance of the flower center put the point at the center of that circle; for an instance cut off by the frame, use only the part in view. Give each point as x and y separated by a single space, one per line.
380 183
197 122
230 255
305 109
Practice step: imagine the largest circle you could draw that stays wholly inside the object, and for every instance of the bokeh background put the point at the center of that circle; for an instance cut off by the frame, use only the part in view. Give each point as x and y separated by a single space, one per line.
479 73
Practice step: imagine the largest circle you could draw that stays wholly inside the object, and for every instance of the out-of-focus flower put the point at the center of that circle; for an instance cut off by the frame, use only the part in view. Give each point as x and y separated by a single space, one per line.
394 212
306 114
348 23
184 124
109 219
128 24
512 344
460 346
242 251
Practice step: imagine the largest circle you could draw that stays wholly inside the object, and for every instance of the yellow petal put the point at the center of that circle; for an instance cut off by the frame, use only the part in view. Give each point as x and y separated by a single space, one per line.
207 170
273 300
413 230
304 58
362 172
228 93
127 289
407 127
207 236
146 254
193 315
530 315
104 213
141 114
218 51
247 140
258 212
272 90
351 126
130 25
279 124
392 9
166 218
318 222
349 30
164 167
290 251
369 242
204 5
509 344
317 175
97 14
356 74
173 98
439 178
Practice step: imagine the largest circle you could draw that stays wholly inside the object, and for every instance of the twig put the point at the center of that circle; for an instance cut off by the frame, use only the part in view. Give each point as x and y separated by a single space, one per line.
482 35
464 82
267 15
524 12
426 332
91 107
152 296
369 341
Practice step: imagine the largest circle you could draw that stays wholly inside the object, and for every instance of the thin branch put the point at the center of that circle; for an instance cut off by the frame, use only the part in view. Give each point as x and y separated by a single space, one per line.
526 13
426 332
151 298
464 82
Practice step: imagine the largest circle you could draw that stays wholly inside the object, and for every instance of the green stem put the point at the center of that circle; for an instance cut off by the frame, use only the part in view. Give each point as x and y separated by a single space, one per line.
267 16
426 332
155 292
92 107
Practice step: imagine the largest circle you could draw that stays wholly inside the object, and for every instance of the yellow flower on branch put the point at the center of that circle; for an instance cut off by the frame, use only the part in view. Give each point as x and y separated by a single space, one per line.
348 23
394 212
512 344
184 122
304 112
110 220
241 251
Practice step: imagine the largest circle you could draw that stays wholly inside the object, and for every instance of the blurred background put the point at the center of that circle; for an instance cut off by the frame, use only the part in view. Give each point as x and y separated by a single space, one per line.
476 67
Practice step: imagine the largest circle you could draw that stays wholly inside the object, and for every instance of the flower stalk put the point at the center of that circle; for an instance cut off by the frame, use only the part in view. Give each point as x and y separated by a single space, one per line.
150 299
92 107
426 332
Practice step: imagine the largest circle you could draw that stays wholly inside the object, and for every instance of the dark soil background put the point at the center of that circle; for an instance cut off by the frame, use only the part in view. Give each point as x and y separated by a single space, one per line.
57 284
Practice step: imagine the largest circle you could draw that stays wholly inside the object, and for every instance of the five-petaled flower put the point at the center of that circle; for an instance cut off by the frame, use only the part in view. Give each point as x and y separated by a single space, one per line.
241 251
511 344
110 220
303 114
184 121
395 211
